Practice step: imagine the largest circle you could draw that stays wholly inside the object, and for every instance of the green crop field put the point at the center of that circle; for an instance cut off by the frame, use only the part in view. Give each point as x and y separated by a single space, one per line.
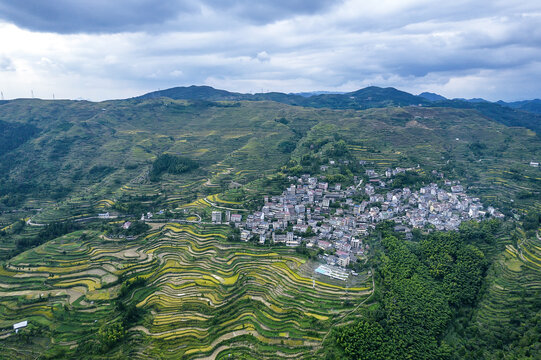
181 288
202 296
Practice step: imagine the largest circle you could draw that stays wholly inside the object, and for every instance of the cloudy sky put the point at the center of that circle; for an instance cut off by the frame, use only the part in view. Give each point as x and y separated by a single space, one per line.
103 49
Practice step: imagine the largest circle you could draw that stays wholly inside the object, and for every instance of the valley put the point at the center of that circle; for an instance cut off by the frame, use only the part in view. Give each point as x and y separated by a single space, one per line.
182 227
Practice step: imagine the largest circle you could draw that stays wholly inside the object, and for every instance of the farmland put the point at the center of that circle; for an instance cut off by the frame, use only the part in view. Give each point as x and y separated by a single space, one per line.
201 293
183 287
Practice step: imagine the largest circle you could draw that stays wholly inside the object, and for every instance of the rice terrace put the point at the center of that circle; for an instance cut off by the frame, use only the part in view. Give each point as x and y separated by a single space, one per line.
205 297
264 180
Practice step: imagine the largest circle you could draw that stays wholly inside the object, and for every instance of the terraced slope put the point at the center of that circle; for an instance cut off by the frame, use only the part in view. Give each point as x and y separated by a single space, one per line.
491 159
87 152
203 297
507 320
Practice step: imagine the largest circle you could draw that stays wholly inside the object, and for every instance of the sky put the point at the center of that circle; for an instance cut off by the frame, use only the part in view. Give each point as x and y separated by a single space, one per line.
103 49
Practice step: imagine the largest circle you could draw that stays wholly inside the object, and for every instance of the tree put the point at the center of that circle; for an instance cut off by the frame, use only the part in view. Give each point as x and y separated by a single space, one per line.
363 340
109 335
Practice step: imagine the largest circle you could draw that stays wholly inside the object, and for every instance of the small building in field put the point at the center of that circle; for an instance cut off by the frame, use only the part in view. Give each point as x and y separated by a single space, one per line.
245 235
20 325
217 217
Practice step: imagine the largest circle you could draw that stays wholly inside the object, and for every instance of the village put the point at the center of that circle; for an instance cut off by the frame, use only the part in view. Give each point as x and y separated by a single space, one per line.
320 216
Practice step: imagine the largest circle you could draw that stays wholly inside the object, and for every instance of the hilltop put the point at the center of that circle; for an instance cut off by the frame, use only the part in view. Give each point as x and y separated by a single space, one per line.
369 97
524 114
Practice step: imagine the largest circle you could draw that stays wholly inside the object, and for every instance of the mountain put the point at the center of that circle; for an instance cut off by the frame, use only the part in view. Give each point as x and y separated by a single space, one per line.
473 100
533 106
432 96
93 281
195 92
369 97
57 148
497 112
312 93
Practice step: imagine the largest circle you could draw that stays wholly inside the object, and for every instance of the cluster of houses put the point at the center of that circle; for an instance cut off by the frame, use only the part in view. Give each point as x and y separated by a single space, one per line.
327 217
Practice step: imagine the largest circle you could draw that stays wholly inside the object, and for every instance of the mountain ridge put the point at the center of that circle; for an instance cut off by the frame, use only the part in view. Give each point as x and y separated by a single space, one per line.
509 114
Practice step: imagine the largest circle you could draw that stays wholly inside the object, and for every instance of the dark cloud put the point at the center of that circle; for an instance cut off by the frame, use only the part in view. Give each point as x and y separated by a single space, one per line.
112 16
464 48
95 16
267 11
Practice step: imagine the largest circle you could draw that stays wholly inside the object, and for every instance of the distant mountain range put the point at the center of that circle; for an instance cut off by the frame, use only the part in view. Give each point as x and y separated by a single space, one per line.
533 106
521 113
312 93
432 96
369 97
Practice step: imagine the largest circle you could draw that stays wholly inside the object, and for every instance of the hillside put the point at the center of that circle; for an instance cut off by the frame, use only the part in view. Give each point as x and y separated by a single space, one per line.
177 285
496 112
369 97
431 96
533 106
523 114
81 144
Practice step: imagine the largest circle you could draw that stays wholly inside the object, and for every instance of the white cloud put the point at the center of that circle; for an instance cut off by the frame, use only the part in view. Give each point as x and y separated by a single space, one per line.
461 49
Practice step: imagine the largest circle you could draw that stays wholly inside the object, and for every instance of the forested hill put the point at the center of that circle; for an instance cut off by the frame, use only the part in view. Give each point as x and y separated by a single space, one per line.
110 248
512 114
533 106
12 135
67 146
370 97
500 113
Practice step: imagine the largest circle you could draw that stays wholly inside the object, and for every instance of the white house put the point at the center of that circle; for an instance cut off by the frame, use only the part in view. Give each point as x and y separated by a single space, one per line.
20 325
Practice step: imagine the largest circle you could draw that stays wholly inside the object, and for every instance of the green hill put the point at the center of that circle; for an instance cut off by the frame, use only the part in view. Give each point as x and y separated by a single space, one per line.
110 144
194 93
523 114
533 106
183 290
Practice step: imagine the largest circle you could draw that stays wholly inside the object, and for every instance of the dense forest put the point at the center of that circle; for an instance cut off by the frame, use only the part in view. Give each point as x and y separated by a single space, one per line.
421 286
12 135
172 164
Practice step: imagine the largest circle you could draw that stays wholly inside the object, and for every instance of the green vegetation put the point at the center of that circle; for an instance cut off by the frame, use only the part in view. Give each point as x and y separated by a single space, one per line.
421 286
164 289
171 164
180 291
87 152
49 232
12 135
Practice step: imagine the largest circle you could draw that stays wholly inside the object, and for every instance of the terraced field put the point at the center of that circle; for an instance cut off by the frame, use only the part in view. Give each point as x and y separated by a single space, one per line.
511 301
204 297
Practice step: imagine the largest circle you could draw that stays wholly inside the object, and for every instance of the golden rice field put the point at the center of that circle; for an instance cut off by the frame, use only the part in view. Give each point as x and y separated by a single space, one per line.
204 297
